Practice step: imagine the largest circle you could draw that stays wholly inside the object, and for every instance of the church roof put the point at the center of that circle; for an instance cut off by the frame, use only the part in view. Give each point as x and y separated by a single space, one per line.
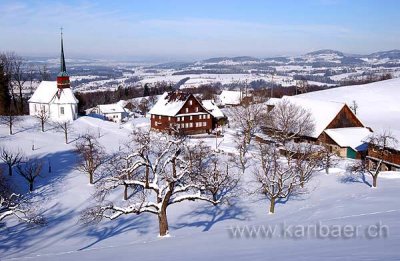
47 92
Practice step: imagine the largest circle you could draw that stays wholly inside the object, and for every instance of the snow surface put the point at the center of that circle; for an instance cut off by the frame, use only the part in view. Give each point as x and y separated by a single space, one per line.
199 231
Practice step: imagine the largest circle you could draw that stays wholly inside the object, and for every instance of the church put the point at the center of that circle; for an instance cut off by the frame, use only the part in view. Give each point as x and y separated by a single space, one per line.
55 98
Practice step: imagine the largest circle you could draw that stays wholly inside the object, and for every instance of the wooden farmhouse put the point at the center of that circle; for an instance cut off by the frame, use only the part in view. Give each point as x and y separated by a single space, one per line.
336 126
180 112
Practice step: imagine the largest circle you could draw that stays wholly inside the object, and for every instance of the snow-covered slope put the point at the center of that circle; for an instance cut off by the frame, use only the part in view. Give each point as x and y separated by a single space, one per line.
199 231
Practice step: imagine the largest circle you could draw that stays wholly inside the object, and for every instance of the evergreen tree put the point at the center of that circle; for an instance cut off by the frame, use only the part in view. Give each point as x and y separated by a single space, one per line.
146 91
5 98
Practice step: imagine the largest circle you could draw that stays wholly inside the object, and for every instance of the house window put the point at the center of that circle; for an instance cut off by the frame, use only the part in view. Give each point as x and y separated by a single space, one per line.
204 123
200 117
179 118
187 110
190 102
182 118
159 117
208 116
62 110
197 109
169 118
153 116
186 125
191 117
191 125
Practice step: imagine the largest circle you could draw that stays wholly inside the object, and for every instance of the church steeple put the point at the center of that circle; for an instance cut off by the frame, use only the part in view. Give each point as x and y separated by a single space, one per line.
62 77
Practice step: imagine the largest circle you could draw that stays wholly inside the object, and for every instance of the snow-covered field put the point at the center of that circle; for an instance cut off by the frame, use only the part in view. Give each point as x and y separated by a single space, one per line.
200 231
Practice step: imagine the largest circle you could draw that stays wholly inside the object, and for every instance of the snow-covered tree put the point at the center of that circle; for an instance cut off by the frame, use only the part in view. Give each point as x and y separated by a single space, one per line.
15 205
161 170
328 159
10 158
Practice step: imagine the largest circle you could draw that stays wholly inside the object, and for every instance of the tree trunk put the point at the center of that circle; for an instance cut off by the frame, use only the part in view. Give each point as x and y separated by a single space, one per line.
301 181
126 192
9 169
91 178
163 222
11 125
272 206
66 137
374 180
30 186
42 122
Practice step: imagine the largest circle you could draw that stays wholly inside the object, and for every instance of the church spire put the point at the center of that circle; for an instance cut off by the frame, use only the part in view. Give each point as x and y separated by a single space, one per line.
62 77
62 60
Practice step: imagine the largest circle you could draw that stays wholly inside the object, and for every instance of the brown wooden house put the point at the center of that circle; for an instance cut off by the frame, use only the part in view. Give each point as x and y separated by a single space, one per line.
180 112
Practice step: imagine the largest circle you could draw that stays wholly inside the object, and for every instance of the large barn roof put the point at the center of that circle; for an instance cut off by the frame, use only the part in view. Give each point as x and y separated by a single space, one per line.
47 91
323 112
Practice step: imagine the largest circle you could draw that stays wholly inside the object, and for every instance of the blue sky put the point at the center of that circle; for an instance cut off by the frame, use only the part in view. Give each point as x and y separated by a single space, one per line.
185 30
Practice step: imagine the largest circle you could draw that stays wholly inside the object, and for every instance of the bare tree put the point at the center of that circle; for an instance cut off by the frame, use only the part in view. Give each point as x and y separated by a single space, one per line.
328 159
214 172
30 171
302 86
306 159
10 157
7 60
44 73
65 127
19 78
162 174
242 147
43 116
381 144
287 121
248 118
354 107
92 155
275 177
9 120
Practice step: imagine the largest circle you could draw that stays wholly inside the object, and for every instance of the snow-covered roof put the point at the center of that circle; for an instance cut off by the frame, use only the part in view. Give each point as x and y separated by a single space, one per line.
230 97
169 104
353 137
47 92
323 112
210 106
111 108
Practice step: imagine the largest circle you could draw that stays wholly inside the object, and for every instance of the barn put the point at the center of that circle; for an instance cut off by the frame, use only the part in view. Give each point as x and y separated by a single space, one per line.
336 126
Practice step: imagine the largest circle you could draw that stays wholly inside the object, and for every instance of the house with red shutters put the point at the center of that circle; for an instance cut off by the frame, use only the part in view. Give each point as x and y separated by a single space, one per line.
178 112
